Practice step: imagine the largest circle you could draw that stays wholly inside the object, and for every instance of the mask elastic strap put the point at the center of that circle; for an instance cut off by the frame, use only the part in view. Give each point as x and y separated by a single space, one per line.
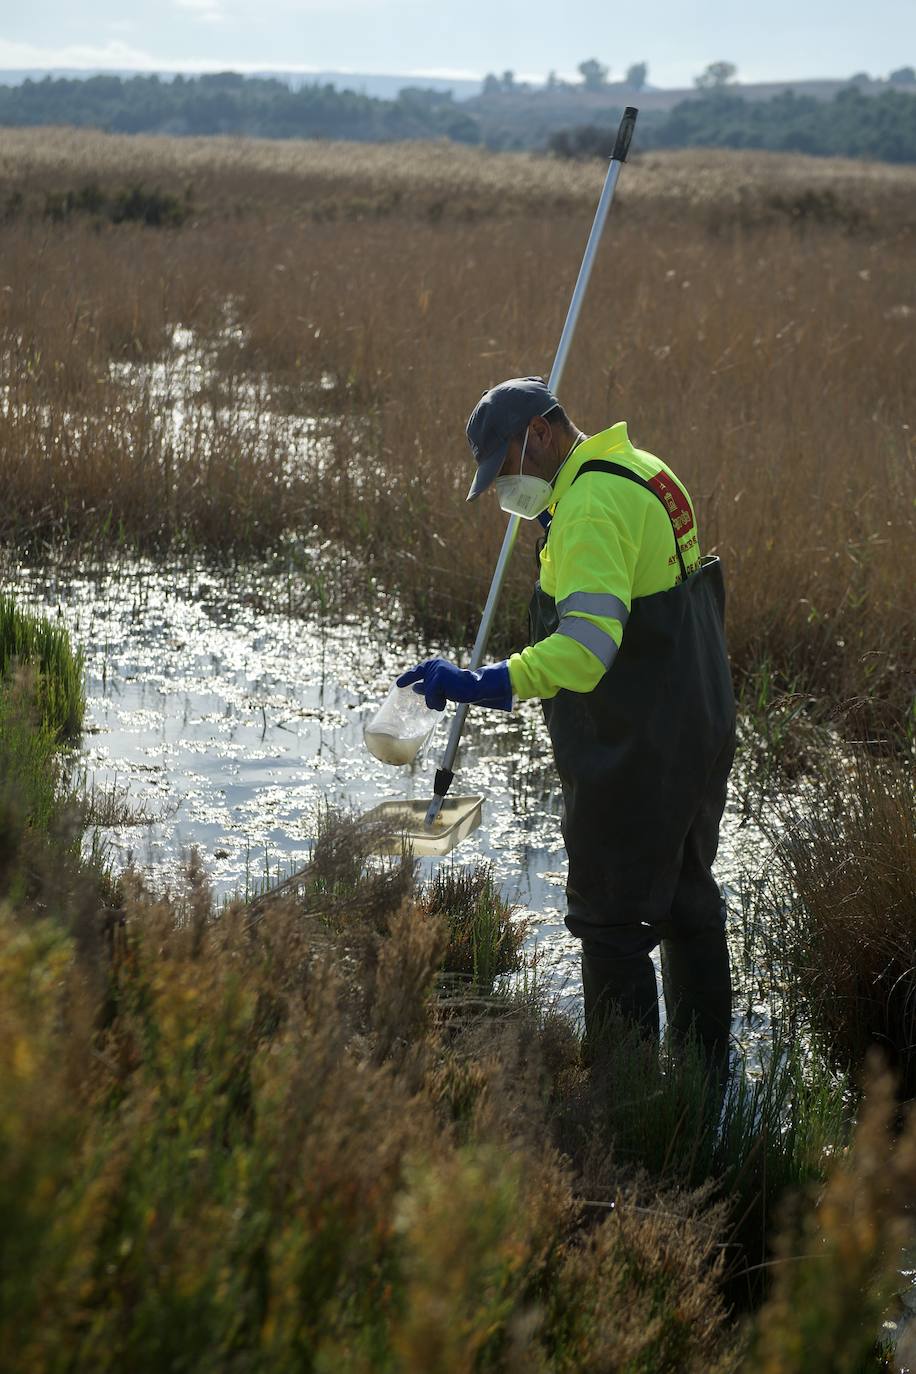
521 461
575 444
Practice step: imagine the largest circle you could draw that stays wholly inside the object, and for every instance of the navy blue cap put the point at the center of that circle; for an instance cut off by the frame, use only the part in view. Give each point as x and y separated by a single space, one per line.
499 416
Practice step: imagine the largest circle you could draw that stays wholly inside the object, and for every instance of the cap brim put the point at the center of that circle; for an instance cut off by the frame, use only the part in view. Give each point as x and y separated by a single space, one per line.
488 471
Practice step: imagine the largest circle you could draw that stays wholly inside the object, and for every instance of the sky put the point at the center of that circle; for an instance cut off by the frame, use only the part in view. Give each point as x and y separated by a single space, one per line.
778 39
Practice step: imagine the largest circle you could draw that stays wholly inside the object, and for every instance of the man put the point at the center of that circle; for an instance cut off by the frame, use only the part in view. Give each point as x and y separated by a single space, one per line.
628 656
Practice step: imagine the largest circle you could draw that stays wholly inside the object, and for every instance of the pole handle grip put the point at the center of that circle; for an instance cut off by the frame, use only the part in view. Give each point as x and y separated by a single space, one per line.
625 134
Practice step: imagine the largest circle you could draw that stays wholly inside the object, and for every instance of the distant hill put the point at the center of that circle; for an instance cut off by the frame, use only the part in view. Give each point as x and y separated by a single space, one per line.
556 101
230 103
878 127
381 86
527 117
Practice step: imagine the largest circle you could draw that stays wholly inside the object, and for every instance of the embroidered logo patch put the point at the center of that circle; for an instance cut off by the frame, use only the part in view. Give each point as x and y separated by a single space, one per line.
676 503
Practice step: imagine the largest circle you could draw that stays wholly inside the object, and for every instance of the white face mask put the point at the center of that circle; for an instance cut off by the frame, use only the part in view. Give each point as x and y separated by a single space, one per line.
524 494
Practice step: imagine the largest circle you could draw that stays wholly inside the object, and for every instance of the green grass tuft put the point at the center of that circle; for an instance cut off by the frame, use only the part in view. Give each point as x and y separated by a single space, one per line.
29 767
484 941
31 643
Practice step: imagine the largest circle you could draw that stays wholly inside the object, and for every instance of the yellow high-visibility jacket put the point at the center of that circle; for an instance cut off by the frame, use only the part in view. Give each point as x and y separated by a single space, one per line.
610 542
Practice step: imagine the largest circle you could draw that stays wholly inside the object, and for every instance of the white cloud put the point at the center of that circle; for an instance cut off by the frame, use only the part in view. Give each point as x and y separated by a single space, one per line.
120 56
450 74
114 53
210 11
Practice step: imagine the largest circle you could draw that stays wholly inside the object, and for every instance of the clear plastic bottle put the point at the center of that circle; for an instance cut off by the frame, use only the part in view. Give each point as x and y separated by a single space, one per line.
400 727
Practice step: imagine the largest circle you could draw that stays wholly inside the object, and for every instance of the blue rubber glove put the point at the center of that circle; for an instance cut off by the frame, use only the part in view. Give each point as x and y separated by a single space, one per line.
440 681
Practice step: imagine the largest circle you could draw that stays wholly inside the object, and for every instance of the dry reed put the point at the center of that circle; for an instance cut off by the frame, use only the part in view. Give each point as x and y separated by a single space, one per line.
846 929
760 342
448 180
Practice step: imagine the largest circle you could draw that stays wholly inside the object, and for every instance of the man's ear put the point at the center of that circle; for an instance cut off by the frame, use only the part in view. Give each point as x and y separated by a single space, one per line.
542 429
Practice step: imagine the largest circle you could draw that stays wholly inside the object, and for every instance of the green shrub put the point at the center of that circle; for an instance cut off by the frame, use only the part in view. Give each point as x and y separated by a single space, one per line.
131 204
158 209
222 1171
30 642
483 939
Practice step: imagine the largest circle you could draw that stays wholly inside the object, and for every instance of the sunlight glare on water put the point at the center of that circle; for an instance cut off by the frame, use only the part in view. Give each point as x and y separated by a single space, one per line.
232 727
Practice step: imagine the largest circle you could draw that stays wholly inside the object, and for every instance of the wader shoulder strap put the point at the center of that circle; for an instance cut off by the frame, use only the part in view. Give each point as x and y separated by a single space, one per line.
618 470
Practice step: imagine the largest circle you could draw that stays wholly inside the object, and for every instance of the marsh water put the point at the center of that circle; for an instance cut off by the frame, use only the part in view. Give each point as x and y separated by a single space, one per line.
218 725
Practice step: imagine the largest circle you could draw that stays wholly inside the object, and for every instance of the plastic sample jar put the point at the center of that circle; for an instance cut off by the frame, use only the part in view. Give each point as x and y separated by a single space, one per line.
400 727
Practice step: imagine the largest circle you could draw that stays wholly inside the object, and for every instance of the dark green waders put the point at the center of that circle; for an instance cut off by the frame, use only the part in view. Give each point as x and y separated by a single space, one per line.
644 762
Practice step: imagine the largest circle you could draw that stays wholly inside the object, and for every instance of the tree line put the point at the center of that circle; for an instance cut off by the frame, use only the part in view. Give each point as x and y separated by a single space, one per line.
853 124
596 77
227 103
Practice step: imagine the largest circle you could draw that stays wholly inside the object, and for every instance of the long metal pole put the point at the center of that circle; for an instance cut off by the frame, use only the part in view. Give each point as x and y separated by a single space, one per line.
444 773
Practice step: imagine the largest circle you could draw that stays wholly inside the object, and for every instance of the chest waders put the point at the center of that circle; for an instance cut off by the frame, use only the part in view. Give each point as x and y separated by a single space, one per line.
643 760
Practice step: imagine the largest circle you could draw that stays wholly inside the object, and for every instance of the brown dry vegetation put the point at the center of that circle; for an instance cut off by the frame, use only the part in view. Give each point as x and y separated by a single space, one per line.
752 317
266 1141
316 178
263 1142
848 934
253 1143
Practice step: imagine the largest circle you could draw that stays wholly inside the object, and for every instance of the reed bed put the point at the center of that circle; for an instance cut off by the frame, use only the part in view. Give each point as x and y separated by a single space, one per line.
30 771
841 925
445 181
759 341
41 708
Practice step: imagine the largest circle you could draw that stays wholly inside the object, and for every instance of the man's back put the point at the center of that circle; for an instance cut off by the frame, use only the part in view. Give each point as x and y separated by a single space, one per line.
643 521
611 542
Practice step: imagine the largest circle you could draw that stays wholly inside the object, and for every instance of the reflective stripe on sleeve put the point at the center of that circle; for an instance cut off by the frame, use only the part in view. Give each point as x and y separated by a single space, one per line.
584 632
594 603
